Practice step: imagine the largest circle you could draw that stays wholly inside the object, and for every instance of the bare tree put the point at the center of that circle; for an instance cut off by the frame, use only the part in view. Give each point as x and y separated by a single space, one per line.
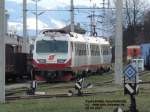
134 12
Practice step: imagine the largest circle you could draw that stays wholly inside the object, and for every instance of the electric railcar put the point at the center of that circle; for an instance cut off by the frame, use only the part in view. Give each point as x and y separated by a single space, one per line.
60 55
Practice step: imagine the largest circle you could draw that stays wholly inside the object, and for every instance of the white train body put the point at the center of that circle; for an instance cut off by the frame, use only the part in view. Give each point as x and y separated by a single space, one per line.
56 51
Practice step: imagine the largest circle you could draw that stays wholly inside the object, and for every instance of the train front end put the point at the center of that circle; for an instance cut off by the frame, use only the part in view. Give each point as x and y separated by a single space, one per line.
51 57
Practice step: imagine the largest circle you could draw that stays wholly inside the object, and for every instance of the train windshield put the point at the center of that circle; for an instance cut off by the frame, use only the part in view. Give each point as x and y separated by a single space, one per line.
47 46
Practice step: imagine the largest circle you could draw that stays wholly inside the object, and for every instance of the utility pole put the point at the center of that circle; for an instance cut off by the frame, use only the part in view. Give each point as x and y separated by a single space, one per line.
6 22
91 25
72 15
92 21
103 18
103 7
25 22
2 51
108 4
118 43
25 18
36 15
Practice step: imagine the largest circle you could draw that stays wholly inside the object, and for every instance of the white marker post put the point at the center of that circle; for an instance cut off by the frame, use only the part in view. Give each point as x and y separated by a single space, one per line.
2 51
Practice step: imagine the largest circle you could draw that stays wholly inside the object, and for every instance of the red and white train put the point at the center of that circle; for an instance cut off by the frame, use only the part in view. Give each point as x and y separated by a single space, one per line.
62 55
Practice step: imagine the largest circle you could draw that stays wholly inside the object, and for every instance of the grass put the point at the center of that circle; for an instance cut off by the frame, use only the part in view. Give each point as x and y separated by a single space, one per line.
100 78
77 104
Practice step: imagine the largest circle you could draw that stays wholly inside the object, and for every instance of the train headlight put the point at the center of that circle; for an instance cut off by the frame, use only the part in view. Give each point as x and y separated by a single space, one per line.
61 60
42 60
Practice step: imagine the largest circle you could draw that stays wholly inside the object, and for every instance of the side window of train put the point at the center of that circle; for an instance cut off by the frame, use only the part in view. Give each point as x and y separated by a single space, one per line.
107 50
94 50
97 50
79 48
87 49
72 46
76 49
101 50
91 50
83 49
75 45
104 51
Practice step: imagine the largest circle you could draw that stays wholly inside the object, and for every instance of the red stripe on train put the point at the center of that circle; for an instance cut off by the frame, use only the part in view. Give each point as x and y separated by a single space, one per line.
51 66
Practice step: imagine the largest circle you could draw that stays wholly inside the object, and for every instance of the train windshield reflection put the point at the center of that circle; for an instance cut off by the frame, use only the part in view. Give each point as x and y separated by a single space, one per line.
46 46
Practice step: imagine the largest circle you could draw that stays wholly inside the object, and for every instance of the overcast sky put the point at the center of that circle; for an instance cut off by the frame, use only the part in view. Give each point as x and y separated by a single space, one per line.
48 19
15 19
53 4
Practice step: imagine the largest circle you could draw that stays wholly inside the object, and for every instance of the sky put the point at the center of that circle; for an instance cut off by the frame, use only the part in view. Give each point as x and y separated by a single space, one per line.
48 19
51 19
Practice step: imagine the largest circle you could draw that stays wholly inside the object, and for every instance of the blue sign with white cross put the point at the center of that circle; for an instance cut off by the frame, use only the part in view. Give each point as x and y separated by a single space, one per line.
130 72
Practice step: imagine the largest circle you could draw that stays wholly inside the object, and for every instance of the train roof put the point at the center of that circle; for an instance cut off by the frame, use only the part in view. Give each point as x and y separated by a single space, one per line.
143 44
83 38
75 37
133 46
53 30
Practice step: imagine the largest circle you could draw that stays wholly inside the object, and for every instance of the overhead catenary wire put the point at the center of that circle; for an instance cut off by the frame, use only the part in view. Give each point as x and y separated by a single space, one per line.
95 18
75 8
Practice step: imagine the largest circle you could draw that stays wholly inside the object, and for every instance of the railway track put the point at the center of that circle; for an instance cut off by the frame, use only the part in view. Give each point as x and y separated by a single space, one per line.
8 98
108 82
95 84
14 91
144 73
11 94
